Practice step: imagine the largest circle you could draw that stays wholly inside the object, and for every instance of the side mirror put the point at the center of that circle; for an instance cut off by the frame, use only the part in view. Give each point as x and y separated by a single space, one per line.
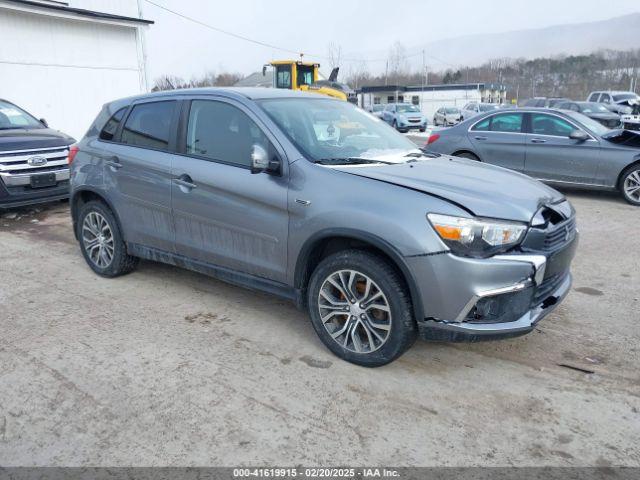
260 161
44 122
579 135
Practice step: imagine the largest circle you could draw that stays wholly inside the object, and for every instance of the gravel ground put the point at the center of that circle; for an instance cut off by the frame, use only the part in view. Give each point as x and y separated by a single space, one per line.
168 367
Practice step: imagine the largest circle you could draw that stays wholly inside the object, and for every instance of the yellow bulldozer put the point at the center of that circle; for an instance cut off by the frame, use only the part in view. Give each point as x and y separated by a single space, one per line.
299 75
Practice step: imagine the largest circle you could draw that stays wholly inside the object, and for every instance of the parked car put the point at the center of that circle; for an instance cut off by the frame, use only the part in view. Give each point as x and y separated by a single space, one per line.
544 102
404 117
595 111
617 102
556 146
631 121
378 240
472 109
447 116
376 110
33 159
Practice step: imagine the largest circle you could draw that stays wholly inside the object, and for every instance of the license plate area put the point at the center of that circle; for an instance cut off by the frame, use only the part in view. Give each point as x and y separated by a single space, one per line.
43 180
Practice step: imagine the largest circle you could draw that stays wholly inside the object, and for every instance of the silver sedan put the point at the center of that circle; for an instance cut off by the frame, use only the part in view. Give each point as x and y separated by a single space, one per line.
557 147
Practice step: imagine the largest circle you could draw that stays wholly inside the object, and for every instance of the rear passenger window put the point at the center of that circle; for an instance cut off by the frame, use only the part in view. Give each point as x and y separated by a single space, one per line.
110 128
222 132
149 125
508 123
505 122
482 126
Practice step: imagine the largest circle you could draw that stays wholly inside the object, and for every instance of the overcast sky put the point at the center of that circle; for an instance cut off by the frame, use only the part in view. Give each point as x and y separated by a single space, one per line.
364 29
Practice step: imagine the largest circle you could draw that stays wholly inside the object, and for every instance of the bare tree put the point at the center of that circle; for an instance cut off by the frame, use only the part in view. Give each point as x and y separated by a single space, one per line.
334 53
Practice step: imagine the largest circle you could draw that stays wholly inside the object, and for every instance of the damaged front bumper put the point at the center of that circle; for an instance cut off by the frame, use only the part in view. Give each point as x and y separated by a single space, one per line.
477 301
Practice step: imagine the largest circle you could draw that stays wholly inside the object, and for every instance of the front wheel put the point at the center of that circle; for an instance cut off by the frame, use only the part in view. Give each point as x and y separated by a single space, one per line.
630 185
360 308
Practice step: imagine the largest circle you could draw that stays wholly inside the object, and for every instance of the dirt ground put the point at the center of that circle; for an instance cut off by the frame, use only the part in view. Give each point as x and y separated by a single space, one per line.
169 367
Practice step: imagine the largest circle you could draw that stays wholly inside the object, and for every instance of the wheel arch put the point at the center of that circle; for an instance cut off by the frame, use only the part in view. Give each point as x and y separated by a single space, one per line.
634 163
84 195
330 241
466 150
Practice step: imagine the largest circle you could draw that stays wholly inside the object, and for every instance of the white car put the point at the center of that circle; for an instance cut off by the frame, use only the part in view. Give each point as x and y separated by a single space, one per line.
447 116
631 121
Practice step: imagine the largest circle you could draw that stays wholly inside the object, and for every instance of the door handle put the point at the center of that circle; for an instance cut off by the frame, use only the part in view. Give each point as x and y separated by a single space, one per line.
185 183
113 162
480 138
538 140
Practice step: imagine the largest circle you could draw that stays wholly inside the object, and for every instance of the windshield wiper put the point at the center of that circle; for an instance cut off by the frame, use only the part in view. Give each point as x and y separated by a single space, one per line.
349 161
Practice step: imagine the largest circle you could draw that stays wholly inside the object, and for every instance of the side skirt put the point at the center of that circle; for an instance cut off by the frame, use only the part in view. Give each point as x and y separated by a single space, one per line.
228 275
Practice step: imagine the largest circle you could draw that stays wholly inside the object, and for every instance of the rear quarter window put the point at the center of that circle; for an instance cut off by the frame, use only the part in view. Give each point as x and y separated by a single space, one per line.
109 130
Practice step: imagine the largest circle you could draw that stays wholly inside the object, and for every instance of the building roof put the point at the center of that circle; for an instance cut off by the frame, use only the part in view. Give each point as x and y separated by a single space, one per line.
64 8
431 88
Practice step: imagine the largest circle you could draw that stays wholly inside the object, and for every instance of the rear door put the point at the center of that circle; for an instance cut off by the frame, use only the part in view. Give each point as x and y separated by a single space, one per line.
137 171
499 140
552 155
225 215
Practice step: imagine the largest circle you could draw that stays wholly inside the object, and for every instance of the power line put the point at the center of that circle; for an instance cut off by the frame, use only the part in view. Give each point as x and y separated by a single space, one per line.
283 49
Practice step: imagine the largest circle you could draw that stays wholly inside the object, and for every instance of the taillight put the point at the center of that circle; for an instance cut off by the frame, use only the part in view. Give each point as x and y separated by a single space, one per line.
432 138
73 151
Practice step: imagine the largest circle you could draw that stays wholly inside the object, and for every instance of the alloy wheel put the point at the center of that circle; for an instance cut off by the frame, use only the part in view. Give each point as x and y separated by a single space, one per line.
97 239
631 185
354 311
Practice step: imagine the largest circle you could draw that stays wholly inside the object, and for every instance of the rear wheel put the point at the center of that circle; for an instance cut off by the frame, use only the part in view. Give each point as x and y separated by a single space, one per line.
468 155
630 185
101 241
360 308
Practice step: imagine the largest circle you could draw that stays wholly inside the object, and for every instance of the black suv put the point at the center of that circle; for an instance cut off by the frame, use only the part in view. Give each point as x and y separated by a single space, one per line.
33 159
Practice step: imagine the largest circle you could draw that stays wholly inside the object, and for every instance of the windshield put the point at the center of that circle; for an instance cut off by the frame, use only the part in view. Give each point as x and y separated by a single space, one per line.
488 108
451 110
594 108
407 108
624 96
14 117
595 127
335 132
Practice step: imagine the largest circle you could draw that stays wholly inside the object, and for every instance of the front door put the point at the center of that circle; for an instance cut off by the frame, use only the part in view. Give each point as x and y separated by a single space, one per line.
225 215
137 169
552 155
499 140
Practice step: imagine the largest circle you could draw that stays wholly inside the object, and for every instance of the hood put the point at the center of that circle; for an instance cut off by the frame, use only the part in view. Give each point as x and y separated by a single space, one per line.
625 138
20 139
484 190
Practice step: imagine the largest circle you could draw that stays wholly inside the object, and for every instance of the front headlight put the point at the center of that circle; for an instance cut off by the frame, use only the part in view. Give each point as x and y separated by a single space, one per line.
477 237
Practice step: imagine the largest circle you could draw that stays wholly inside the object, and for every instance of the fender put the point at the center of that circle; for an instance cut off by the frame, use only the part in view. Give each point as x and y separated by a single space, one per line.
373 240
98 193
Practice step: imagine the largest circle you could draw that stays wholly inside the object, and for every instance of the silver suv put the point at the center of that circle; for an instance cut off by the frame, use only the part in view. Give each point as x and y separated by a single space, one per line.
315 200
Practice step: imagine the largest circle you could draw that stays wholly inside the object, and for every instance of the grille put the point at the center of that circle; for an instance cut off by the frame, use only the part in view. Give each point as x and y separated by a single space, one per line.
560 235
17 162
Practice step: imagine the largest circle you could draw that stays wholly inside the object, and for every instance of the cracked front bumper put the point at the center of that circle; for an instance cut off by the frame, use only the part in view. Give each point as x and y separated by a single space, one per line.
467 299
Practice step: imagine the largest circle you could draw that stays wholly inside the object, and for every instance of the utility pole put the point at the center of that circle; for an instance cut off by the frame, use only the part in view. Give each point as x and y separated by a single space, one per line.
424 69
386 74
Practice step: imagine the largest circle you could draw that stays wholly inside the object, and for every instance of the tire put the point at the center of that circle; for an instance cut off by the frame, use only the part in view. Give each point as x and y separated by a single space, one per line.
423 130
89 221
377 346
629 180
468 155
394 124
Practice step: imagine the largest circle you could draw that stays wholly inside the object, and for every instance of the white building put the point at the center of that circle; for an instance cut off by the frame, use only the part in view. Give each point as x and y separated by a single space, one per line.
431 97
63 60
